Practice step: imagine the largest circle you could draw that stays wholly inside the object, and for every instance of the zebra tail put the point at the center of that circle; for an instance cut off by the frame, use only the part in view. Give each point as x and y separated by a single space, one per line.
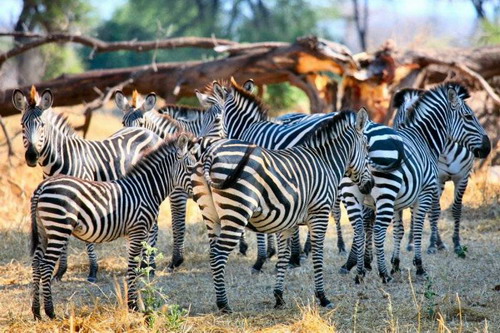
233 176
35 240
386 168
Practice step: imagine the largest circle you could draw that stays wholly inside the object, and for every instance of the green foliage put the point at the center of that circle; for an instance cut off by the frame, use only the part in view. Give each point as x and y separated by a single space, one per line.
60 59
490 33
284 96
430 297
462 252
154 299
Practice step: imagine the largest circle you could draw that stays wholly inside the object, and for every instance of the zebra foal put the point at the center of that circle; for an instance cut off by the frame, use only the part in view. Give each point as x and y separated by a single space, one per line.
97 212
238 185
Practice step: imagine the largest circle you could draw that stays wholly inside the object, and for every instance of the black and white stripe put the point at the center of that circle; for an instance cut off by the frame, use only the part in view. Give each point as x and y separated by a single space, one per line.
238 185
97 212
200 122
439 115
454 164
51 143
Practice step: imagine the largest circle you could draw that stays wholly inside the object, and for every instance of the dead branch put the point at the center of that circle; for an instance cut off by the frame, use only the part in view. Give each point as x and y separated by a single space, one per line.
10 150
98 45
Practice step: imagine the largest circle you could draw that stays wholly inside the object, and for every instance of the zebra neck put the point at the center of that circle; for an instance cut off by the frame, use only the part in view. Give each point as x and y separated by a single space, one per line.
150 180
428 132
54 152
239 114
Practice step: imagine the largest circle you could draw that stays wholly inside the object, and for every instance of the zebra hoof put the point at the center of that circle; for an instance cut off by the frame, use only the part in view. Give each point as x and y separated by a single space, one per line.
432 250
342 252
243 249
409 247
359 279
224 308
329 306
92 279
271 253
343 270
442 247
36 313
256 271
386 278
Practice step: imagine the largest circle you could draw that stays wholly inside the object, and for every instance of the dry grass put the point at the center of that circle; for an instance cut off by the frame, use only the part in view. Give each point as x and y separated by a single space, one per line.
464 300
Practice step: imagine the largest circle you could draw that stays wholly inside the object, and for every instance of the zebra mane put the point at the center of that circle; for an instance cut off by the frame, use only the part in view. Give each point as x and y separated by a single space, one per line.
261 107
324 126
405 94
440 90
184 111
63 124
174 122
162 147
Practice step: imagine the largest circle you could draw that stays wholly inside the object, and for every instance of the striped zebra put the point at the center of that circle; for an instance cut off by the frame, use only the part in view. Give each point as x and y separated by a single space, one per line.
103 211
438 115
237 184
139 113
385 149
245 118
455 164
51 143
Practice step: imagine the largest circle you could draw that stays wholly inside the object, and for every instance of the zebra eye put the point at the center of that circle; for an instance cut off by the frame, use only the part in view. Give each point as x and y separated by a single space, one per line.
469 116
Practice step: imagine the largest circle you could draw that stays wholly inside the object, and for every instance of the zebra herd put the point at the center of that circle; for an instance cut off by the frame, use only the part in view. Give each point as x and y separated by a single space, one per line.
246 170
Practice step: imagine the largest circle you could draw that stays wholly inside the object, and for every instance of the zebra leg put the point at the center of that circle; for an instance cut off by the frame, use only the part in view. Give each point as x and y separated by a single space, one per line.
295 255
261 253
398 234
421 208
368 222
354 208
55 246
151 261
409 247
63 264
317 227
434 214
456 210
94 266
384 216
35 265
230 234
243 244
271 245
134 251
337 217
178 200
281 265
307 245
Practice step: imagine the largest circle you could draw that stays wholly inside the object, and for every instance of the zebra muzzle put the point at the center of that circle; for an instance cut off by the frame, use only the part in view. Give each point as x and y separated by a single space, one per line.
485 149
366 186
31 156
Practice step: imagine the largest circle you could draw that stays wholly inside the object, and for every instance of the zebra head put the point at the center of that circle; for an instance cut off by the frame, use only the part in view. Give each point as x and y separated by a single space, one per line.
185 163
242 108
359 163
33 121
463 126
212 118
133 112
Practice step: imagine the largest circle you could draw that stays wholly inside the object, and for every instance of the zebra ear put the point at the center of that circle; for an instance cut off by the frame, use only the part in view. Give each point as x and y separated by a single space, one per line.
203 99
249 86
149 103
121 101
182 143
453 98
219 92
361 120
46 100
19 100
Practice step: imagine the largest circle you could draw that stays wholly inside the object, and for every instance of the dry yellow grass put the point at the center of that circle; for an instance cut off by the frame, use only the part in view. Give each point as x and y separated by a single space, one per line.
465 298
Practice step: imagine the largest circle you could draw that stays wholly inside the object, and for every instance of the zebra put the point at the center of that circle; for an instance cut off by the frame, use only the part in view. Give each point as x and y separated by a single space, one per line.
200 122
237 184
385 149
455 164
245 118
103 211
440 114
51 143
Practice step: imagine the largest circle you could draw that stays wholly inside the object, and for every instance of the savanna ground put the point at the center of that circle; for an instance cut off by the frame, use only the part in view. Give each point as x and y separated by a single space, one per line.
462 294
